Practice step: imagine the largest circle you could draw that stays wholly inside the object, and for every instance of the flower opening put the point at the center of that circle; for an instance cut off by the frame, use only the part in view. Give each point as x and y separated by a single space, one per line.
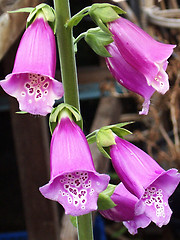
74 182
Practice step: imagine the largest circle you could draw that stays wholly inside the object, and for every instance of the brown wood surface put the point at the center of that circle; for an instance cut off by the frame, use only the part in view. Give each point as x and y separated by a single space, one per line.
32 150
108 111
12 24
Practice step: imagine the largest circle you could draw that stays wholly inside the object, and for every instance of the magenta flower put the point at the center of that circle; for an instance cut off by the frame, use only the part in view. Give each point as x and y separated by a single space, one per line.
128 210
142 58
145 179
32 79
128 76
74 183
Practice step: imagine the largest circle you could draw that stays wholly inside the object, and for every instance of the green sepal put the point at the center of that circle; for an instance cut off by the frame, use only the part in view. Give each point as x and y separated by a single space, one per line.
56 113
97 40
21 112
46 12
73 220
104 139
104 200
91 138
118 130
22 10
102 13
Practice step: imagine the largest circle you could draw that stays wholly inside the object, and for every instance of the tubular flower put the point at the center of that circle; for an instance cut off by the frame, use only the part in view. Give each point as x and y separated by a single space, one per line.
140 55
128 76
74 183
128 210
32 79
145 179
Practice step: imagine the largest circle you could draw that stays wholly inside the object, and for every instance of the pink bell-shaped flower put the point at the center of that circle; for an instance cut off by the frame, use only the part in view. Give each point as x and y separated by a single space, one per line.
128 210
137 57
32 79
145 179
74 182
128 76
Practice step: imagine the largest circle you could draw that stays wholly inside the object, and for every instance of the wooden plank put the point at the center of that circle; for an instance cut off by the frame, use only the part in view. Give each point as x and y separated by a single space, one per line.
68 231
11 25
91 74
32 150
107 113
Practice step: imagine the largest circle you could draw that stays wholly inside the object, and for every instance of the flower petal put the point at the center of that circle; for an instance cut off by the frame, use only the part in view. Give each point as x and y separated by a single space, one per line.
36 93
37 50
133 41
140 221
141 51
128 76
136 169
74 182
77 192
156 197
125 205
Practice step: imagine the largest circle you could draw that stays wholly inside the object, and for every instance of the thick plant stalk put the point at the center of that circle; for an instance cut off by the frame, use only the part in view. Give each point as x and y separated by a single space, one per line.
66 54
85 232
70 83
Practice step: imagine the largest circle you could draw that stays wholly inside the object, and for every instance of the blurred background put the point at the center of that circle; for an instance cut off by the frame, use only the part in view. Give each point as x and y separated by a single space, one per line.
24 145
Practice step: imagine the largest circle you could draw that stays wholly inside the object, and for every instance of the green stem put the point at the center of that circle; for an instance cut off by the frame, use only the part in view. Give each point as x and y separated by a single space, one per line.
70 83
84 225
82 35
66 54
84 12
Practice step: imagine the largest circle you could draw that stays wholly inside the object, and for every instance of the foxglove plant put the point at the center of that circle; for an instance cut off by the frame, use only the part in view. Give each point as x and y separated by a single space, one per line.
137 61
74 182
143 195
146 180
32 79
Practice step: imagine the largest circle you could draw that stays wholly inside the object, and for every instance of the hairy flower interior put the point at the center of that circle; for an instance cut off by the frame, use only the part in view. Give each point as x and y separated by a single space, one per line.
36 86
77 187
154 197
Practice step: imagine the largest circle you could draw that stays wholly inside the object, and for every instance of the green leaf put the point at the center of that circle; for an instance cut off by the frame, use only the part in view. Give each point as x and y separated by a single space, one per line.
97 40
23 10
73 220
104 200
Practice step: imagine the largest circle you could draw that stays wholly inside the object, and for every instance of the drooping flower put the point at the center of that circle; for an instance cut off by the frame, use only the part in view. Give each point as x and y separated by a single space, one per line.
128 76
128 210
32 79
74 183
145 179
140 55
